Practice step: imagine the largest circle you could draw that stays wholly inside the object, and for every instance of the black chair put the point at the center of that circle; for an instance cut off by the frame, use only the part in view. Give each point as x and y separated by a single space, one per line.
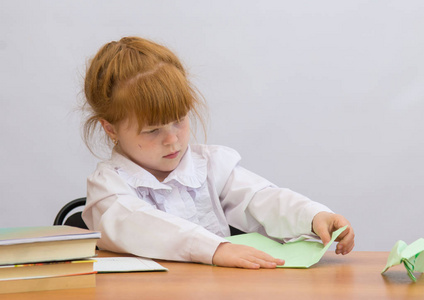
75 219
235 231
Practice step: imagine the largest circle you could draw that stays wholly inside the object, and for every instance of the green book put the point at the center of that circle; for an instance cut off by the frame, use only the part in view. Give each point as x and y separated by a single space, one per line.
22 245
299 254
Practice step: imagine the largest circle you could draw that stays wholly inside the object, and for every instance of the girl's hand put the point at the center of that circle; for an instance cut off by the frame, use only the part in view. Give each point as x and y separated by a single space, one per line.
240 256
323 225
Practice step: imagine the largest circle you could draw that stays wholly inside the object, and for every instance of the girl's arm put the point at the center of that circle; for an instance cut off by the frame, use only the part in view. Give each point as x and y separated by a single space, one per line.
131 225
251 203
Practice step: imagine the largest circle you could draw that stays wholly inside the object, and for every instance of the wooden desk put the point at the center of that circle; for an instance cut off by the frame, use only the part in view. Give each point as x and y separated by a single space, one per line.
355 276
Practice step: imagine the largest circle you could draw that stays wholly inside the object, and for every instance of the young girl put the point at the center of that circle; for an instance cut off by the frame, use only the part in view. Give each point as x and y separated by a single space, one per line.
159 197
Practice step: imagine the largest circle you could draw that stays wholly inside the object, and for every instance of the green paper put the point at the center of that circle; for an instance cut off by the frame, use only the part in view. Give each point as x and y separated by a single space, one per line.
412 257
300 254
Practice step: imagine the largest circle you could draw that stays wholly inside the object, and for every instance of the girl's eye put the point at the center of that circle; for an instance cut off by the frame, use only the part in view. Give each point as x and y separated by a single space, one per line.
151 131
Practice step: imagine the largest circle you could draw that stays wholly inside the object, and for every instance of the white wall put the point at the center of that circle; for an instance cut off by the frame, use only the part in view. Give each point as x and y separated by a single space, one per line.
324 97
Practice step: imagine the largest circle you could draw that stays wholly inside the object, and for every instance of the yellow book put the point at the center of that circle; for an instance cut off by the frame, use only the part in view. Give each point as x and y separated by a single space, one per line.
48 283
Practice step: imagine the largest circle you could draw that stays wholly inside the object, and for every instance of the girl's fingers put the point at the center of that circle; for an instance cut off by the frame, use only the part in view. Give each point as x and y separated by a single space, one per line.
265 260
246 264
347 242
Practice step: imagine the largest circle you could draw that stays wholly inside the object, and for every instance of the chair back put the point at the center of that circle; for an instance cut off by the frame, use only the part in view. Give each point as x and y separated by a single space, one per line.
74 219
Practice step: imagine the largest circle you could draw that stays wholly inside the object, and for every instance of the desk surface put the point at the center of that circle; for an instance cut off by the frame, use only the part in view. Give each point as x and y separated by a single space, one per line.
354 276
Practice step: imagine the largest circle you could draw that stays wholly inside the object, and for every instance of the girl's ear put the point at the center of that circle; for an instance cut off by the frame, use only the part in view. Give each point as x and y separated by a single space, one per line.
108 128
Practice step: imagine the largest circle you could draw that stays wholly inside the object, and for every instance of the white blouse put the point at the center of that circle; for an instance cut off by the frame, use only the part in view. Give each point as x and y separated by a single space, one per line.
185 217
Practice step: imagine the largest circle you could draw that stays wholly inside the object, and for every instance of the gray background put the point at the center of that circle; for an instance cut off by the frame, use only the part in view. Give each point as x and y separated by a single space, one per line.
323 97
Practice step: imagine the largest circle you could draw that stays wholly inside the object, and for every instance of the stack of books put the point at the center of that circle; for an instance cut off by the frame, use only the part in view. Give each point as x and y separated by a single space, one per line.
46 258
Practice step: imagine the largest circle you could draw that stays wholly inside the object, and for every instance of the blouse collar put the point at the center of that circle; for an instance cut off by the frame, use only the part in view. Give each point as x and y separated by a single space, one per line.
191 172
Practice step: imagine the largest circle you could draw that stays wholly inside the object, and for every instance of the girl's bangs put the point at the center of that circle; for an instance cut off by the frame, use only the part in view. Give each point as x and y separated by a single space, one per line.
156 98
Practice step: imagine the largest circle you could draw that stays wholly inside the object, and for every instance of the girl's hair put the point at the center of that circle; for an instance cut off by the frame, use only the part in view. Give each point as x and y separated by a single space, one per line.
137 79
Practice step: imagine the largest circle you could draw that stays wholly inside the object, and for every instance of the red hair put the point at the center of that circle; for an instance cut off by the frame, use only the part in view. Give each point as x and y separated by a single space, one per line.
136 78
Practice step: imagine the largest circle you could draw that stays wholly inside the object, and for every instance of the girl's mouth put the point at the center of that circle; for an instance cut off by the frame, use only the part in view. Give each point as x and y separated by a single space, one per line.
172 155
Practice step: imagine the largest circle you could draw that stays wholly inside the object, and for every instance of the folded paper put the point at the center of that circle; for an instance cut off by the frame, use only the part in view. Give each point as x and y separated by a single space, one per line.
299 254
411 256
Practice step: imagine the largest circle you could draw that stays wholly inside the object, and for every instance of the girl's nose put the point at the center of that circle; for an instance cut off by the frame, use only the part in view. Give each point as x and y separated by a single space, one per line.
171 137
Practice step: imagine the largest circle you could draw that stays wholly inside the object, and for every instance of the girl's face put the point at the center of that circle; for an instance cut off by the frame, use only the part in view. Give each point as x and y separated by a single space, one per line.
157 149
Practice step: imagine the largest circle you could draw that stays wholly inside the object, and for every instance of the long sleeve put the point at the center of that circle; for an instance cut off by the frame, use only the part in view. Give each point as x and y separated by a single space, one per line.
252 203
131 225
